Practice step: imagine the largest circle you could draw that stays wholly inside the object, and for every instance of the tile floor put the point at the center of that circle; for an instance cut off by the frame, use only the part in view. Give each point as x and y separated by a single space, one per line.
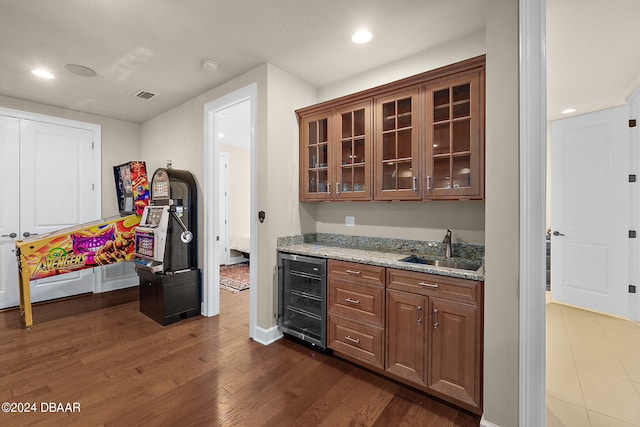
593 369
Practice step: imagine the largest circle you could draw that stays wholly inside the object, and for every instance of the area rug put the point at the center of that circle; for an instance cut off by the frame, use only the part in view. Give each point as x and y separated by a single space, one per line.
234 278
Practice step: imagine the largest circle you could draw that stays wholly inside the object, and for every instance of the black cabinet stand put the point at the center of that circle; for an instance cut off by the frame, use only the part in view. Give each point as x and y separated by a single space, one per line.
167 298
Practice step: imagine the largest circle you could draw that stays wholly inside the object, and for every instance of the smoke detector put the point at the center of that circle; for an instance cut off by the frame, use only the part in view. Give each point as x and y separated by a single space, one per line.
209 65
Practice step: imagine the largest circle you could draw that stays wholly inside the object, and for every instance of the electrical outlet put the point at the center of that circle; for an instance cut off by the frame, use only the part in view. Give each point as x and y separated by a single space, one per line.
350 221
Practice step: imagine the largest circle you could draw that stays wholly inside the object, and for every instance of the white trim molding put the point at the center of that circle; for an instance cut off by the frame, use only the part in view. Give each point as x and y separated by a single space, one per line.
533 118
266 336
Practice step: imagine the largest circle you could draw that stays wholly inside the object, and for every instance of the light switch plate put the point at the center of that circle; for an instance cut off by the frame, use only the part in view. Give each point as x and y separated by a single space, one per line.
350 221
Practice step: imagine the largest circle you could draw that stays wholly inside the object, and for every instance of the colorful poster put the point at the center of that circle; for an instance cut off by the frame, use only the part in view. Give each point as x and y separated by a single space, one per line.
76 248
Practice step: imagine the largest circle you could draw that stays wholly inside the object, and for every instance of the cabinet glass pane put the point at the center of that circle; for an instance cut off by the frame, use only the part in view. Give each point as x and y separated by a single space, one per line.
405 176
441 105
313 133
358 123
358 178
347 156
404 113
322 181
323 157
461 171
462 101
346 125
441 138
323 135
389 116
404 144
441 173
347 179
389 176
389 146
313 157
358 151
461 136
313 182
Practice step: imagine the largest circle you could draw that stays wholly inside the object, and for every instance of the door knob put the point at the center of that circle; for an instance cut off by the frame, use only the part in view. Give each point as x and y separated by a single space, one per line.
12 235
557 233
27 234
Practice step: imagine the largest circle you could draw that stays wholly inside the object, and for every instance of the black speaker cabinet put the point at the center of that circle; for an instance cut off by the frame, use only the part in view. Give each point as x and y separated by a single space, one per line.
167 298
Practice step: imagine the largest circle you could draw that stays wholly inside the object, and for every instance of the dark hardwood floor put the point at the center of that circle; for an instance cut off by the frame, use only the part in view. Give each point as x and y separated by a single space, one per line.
124 369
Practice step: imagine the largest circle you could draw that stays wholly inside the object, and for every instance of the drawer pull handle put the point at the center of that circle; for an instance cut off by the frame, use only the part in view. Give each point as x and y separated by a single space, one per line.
352 301
353 340
429 285
354 272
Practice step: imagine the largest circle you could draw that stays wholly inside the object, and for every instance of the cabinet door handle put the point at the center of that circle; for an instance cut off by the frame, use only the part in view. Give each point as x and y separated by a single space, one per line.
353 340
354 272
337 188
428 182
415 183
352 301
329 188
12 235
429 285
419 315
435 318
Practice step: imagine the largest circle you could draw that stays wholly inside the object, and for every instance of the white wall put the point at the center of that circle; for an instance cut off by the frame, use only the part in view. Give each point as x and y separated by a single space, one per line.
120 142
502 241
409 220
178 135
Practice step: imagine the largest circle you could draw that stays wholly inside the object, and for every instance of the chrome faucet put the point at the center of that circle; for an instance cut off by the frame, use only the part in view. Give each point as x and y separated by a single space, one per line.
447 244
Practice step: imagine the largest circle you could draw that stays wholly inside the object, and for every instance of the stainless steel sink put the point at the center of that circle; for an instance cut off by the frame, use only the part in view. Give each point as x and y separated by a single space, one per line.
449 263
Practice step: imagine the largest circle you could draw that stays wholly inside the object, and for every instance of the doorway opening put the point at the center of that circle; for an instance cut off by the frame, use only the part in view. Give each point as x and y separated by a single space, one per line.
230 197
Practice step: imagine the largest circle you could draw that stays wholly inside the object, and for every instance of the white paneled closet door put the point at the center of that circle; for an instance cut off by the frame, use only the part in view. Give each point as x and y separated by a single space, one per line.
48 183
9 210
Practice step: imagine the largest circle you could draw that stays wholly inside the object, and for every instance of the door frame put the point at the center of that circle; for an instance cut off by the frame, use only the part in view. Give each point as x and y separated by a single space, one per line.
532 245
211 273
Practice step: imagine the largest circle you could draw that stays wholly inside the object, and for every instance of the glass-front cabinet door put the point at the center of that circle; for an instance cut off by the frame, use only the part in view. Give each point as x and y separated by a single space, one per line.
315 157
453 138
353 170
397 172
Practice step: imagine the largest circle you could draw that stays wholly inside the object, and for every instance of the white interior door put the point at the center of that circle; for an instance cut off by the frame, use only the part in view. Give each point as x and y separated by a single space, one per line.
9 210
590 211
56 191
223 211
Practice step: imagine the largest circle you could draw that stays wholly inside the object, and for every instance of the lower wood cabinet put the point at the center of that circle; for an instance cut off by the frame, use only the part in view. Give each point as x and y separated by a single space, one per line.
421 329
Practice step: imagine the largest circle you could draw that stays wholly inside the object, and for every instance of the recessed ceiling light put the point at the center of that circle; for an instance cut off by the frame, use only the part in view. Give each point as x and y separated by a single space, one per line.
568 111
361 37
43 73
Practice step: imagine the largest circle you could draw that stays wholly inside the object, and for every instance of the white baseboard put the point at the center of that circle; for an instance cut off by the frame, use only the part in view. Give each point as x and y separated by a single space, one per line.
485 423
266 336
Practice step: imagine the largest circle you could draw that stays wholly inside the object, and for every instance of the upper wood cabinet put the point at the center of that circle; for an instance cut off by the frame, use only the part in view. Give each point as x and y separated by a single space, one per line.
455 137
397 158
335 154
420 138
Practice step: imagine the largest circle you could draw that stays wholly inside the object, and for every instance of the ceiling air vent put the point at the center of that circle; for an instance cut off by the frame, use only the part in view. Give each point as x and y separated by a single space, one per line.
145 94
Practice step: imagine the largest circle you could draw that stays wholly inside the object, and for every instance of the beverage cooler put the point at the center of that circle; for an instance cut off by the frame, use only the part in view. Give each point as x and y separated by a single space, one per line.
302 298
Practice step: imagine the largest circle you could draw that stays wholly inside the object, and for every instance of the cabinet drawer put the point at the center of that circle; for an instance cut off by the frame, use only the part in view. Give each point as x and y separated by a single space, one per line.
432 285
360 341
357 301
361 273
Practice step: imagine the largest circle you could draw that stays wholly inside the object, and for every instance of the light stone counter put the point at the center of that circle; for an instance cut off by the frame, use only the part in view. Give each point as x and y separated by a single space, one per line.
376 257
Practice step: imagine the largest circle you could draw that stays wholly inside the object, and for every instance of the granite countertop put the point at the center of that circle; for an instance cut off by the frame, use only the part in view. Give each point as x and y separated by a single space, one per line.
377 257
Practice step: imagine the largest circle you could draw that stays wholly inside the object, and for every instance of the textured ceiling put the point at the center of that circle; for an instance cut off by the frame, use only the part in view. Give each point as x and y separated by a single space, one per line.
593 54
